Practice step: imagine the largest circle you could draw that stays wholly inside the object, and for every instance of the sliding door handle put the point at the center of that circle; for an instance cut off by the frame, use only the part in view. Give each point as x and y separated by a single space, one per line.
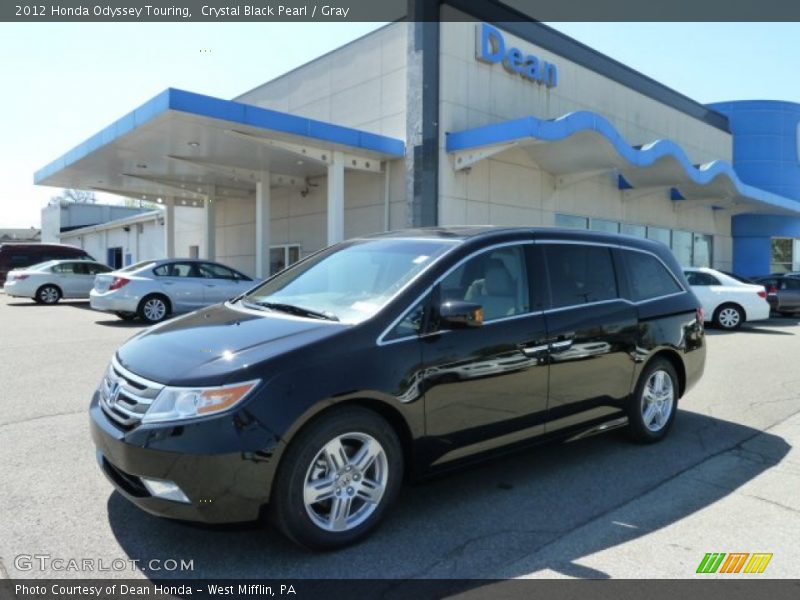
562 345
534 350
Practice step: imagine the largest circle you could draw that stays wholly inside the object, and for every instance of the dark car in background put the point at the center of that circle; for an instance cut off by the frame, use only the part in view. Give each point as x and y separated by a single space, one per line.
783 292
386 358
21 255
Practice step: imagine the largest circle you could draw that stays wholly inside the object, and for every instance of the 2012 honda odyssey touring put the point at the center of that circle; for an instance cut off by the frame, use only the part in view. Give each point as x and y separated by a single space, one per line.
379 359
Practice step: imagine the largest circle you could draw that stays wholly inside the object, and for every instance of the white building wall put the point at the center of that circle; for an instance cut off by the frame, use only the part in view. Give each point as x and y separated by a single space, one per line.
361 85
510 189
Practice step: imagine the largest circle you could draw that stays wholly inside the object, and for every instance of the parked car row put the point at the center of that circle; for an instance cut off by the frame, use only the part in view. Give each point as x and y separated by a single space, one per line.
150 290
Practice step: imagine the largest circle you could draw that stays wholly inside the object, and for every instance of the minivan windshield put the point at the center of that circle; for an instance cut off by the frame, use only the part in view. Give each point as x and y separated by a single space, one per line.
349 282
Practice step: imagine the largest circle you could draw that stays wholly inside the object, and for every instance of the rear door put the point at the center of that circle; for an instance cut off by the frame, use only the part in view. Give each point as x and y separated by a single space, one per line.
67 276
591 334
183 284
788 294
707 288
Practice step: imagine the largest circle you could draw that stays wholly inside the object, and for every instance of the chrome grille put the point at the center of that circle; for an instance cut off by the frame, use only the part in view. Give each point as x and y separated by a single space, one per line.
125 397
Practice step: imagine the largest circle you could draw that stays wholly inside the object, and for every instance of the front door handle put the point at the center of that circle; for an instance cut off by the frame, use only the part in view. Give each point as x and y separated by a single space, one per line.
534 350
562 345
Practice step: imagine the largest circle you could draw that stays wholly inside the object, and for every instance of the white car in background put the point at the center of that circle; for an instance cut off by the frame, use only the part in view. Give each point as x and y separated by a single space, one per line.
49 282
156 289
726 301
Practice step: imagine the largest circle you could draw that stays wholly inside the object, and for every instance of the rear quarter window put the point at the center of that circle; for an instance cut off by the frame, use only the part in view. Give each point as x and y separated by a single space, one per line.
648 277
580 274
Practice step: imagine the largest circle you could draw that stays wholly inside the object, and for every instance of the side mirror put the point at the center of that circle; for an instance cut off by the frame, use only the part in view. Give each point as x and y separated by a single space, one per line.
457 314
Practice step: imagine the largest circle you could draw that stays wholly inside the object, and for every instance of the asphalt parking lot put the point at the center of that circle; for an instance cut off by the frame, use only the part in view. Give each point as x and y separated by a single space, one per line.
726 480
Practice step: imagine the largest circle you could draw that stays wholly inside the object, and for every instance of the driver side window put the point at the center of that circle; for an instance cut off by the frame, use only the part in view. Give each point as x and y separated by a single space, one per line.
496 279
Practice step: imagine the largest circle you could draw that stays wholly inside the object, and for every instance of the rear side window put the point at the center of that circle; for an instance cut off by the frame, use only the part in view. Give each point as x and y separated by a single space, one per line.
648 277
699 278
176 270
68 268
580 274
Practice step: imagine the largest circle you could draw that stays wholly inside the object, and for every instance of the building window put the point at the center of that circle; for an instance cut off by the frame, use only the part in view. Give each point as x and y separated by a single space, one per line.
281 257
635 230
194 251
703 250
572 222
603 225
682 247
659 234
782 255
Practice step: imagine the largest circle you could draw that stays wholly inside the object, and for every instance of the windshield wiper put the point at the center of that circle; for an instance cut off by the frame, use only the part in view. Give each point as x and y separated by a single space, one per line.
296 310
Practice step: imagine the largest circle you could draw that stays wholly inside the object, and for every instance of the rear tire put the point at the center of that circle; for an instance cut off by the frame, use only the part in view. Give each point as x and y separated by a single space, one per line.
729 317
153 308
652 408
48 294
337 480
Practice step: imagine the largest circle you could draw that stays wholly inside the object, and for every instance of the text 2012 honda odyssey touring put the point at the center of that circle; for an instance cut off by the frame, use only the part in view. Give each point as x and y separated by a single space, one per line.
384 358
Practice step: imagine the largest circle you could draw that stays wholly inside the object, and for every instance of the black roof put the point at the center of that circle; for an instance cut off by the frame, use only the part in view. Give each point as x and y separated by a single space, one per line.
476 232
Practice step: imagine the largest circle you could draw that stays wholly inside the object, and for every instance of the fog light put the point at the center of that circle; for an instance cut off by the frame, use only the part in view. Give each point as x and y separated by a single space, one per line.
168 490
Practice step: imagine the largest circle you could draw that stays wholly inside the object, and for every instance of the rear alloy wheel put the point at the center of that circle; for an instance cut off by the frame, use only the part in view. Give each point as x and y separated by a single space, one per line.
728 316
153 309
654 402
337 480
48 294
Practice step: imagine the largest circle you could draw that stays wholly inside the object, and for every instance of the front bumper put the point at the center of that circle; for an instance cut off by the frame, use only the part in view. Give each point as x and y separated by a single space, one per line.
209 460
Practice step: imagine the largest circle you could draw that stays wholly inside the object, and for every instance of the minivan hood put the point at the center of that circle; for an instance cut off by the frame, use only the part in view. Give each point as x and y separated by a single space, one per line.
218 344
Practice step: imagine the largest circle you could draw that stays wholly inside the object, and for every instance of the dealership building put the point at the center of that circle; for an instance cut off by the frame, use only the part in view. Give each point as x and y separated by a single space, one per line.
481 118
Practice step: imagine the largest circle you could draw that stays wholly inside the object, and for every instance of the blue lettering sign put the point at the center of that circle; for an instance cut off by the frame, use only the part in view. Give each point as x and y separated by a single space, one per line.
491 48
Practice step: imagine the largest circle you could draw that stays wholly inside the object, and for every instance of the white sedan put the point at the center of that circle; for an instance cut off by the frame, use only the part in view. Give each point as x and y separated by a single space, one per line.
49 282
153 290
726 301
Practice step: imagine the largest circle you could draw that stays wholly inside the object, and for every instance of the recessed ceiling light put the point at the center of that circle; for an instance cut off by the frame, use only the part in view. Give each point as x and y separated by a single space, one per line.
159 200
299 162
193 144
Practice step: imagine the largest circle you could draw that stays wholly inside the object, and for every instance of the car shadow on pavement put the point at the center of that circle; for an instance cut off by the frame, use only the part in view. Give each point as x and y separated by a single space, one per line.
747 329
541 509
115 322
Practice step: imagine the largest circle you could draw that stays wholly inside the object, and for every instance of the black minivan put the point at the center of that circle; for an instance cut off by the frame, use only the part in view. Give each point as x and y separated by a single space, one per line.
19 255
389 357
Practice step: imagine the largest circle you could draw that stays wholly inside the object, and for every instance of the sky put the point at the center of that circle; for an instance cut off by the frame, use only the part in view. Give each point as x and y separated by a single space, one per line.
64 82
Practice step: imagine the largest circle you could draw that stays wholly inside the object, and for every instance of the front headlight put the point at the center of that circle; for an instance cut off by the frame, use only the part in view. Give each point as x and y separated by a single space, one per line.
177 404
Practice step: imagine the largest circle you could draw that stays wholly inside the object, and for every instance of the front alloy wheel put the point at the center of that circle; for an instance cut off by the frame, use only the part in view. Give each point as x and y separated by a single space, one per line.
337 479
651 410
345 482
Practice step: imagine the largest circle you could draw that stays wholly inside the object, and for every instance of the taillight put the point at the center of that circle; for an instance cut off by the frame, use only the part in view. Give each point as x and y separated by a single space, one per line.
762 293
701 315
118 283
18 277
773 289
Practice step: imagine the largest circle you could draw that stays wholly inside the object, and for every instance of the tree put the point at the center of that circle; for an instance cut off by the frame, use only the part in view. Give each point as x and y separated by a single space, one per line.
73 196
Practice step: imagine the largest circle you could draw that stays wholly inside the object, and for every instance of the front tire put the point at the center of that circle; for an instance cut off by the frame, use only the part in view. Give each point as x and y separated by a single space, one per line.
651 410
337 480
729 317
153 308
48 294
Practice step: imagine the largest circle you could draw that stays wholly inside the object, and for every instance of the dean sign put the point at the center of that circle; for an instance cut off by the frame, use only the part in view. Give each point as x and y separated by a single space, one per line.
491 48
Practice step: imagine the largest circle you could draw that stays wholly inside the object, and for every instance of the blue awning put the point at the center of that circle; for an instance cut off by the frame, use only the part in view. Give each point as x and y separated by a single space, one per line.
586 142
181 143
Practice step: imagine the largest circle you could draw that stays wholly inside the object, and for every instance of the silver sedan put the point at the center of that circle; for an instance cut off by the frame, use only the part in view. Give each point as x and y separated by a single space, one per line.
154 290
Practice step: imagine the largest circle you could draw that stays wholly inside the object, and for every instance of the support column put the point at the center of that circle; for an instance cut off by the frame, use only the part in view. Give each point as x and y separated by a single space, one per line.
210 229
336 199
262 225
169 227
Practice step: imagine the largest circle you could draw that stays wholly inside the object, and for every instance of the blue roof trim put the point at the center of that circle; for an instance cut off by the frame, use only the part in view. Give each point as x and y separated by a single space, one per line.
637 156
226 110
